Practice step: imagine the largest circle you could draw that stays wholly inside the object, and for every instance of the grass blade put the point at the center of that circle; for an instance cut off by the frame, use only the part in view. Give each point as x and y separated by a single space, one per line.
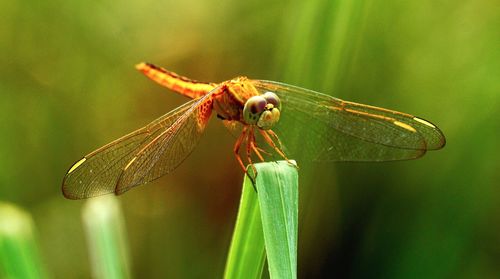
266 219
277 188
246 256
19 257
105 230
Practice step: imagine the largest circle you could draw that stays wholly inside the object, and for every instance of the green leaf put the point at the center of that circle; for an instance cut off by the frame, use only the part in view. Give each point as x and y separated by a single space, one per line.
277 188
266 218
106 238
19 256
247 255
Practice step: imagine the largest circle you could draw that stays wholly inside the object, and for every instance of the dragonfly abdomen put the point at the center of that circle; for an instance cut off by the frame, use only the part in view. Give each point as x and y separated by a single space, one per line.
185 86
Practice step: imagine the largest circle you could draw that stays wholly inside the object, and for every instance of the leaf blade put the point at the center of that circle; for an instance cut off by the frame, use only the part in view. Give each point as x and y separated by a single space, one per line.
246 255
277 188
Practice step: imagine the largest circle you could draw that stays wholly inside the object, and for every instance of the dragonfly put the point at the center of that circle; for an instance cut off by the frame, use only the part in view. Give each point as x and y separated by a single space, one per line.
269 119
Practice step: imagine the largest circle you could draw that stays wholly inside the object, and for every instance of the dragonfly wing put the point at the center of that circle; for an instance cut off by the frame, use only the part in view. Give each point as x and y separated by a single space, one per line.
337 130
169 148
98 173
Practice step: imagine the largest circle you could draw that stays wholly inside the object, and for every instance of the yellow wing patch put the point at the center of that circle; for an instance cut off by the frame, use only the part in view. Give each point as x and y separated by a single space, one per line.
77 164
424 122
405 126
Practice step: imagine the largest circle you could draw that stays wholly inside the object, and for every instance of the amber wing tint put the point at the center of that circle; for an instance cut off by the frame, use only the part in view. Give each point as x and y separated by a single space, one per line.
140 156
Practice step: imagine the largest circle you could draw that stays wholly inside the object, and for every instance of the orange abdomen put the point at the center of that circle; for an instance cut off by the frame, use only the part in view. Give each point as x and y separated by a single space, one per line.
187 87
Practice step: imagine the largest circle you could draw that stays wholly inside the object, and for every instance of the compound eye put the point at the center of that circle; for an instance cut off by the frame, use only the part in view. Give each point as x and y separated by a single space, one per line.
256 104
272 98
253 108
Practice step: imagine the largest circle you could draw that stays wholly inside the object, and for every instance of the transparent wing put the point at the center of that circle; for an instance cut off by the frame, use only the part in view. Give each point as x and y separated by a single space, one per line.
106 170
167 150
325 128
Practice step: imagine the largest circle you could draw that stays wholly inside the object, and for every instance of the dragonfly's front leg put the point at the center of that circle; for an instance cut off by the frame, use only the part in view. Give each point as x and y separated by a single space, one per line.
255 148
271 143
273 134
266 135
237 146
250 147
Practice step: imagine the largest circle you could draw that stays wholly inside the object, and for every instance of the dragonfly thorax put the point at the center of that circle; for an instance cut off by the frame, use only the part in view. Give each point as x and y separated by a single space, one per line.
241 101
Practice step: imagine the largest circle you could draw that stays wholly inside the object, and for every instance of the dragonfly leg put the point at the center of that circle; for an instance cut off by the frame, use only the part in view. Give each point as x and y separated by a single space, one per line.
259 150
255 148
236 148
265 134
273 134
262 150
249 145
271 143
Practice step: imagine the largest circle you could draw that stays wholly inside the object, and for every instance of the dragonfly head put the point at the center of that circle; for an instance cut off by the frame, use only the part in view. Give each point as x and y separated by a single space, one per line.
262 110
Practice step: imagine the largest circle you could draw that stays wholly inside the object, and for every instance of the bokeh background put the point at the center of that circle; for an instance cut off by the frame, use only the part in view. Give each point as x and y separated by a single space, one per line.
68 85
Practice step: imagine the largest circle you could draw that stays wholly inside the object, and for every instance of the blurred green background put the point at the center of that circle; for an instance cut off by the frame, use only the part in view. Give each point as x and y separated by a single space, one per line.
68 86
